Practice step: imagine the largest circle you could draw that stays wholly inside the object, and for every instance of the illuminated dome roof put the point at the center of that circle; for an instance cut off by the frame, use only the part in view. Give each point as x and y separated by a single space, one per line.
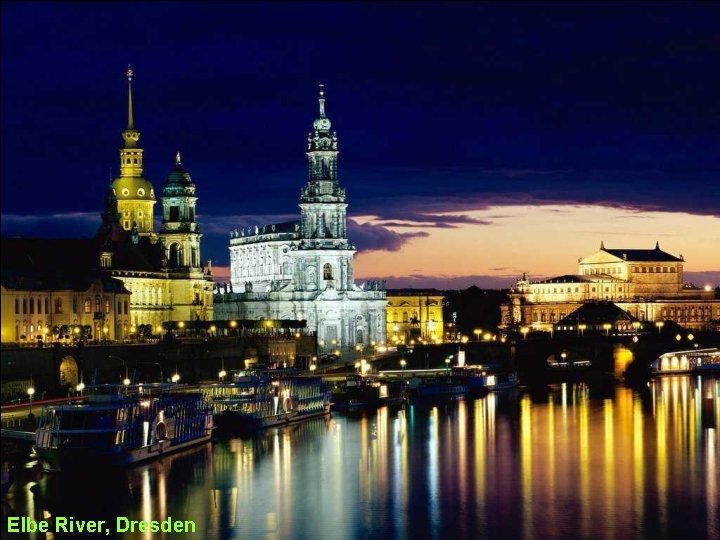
133 187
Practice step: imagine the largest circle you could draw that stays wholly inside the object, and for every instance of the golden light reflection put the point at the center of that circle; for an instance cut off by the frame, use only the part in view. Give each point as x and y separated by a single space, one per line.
609 467
584 465
526 444
638 464
481 444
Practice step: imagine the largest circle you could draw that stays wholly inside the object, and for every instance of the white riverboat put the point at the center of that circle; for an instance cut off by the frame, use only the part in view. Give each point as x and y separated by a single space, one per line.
121 425
692 361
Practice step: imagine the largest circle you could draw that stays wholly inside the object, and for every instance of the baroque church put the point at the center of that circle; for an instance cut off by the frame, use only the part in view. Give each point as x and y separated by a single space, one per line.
303 270
133 278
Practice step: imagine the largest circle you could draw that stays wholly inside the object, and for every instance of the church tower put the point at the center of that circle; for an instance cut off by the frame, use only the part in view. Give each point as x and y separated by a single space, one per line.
322 203
179 233
135 194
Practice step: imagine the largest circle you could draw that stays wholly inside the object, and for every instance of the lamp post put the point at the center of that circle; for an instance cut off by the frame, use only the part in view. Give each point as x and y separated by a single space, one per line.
524 331
447 365
607 327
659 325
477 332
31 393
222 373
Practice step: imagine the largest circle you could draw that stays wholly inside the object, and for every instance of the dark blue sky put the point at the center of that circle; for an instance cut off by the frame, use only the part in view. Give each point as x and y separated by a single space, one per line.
438 106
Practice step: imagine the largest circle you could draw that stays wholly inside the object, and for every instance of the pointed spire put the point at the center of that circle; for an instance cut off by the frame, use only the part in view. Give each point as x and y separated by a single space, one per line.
321 100
602 244
178 161
657 245
130 74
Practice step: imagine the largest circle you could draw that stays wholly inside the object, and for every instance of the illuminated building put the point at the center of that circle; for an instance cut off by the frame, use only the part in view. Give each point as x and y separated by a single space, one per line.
645 283
414 314
303 270
162 271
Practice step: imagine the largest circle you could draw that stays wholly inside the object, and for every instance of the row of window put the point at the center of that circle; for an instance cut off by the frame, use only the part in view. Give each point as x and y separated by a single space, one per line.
30 305
406 317
555 290
593 271
654 269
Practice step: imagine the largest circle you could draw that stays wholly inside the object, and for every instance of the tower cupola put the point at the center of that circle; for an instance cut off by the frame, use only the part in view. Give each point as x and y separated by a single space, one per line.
135 194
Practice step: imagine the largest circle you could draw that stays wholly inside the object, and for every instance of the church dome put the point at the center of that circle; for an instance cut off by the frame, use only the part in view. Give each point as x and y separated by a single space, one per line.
133 187
178 181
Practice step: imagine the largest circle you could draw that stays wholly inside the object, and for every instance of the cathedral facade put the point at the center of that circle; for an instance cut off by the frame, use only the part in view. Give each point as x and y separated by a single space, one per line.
648 284
303 270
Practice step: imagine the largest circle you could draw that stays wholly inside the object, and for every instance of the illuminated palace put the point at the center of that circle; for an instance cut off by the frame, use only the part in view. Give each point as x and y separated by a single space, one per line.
303 270
414 315
162 272
646 283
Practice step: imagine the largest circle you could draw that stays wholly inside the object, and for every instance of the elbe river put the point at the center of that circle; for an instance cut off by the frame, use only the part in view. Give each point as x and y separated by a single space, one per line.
565 461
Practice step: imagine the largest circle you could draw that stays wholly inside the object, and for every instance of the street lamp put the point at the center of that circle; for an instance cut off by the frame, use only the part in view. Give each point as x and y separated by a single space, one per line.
31 393
313 367
524 331
477 333
175 378
690 337
607 327
678 337
447 364
659 325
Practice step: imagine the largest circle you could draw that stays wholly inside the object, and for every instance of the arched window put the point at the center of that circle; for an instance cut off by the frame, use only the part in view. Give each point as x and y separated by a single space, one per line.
327 271
97 304
174 256
88 305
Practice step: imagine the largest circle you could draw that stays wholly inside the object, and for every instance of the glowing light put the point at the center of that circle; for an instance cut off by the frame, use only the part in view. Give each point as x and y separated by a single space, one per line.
175 378
222 373
126 381
80 387
233 324
181 324
31 391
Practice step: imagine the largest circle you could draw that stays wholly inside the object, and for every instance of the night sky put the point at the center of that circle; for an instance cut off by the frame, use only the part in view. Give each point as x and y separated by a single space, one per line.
463 125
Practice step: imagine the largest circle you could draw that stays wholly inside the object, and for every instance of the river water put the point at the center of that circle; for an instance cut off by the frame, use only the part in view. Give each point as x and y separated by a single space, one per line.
565 461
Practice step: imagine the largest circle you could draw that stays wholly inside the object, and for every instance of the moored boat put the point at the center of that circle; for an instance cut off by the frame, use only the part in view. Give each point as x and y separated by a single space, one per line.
692 361
260 399
437 386
358 391
489 377
121 425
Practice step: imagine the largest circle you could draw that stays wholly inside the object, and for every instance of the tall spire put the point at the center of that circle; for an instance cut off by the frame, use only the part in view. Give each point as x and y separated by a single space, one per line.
602 244
130 74
130 135
321 100
177 159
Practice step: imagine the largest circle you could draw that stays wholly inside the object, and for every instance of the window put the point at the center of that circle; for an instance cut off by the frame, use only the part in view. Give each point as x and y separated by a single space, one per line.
32 306
126 306
174 213
39 304
58 305
140 192
327 271
88 306
24 306
47 305
74 304
107 306
97 304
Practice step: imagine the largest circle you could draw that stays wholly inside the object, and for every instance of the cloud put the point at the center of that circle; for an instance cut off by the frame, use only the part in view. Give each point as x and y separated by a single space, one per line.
64 225
444 282
369 237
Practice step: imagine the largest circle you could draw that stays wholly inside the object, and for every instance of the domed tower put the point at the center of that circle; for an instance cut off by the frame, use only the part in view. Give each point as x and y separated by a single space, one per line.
179 232
322 202
135 194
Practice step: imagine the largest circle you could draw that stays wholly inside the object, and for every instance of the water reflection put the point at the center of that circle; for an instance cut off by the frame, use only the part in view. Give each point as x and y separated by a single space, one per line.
574 462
